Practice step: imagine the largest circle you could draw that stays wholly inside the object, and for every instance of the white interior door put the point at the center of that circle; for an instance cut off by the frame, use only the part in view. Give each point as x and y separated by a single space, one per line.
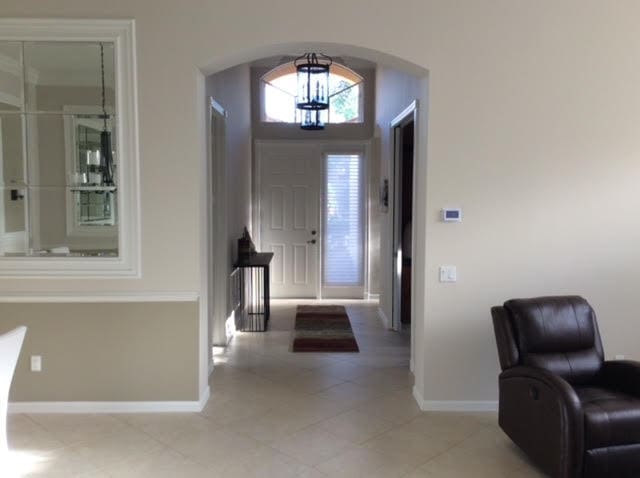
290 178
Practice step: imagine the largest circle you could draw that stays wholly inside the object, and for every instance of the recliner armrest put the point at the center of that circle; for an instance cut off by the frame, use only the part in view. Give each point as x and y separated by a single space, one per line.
555 382
542 414
623 375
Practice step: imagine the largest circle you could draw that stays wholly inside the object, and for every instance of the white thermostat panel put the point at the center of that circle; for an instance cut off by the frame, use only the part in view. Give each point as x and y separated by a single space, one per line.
452 214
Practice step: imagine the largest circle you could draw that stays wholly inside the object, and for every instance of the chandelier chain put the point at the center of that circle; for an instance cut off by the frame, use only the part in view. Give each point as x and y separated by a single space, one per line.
104 101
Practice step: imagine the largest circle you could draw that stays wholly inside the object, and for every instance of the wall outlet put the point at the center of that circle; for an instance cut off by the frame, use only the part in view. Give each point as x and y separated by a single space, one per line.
36 363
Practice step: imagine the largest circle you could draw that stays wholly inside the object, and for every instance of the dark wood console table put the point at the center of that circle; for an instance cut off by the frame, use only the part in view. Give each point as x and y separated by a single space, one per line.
255 279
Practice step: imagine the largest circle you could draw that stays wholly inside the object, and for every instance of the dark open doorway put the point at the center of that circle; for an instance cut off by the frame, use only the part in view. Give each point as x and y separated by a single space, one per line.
406 212
403 168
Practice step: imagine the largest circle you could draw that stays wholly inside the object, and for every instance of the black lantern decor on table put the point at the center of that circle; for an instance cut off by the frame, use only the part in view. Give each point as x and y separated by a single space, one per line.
313 88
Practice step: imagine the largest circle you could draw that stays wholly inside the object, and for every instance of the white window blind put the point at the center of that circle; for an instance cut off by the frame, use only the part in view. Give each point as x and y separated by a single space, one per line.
343 221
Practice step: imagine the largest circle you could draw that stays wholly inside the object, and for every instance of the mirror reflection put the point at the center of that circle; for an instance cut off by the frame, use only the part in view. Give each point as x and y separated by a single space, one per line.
58 149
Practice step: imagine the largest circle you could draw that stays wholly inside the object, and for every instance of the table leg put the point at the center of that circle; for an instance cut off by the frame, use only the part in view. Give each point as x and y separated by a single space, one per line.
267 307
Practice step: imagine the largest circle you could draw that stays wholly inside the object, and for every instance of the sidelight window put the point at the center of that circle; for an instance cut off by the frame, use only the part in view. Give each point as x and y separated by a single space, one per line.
343 263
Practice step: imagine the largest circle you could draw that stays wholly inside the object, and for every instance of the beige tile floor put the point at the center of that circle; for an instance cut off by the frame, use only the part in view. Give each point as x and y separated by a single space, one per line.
273 413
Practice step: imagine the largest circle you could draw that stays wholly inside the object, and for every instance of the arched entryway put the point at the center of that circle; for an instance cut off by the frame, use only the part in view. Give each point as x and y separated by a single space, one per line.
383 141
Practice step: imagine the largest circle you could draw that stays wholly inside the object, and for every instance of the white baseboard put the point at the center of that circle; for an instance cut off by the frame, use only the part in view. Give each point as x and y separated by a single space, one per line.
111 407
385 320
454 405
418 398
204 398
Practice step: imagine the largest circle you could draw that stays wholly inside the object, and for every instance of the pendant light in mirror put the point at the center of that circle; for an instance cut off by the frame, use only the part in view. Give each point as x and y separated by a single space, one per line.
106 151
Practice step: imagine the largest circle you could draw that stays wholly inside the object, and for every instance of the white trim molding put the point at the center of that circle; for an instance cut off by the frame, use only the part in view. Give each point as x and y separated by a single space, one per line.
454 405
112 407
404 114
122 34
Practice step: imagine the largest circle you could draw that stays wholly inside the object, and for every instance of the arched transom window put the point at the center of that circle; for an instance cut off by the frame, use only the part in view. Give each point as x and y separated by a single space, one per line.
279 88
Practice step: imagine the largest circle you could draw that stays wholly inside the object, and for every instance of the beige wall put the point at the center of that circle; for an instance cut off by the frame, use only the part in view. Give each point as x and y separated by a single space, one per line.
106 351
533 129
230 88
11 155
10 83
11 142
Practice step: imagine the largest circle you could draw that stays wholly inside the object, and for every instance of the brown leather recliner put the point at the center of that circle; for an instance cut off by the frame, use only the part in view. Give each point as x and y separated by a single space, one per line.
571 412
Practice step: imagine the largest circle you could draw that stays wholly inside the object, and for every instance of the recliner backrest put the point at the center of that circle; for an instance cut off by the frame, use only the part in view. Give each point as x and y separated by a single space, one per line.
559 334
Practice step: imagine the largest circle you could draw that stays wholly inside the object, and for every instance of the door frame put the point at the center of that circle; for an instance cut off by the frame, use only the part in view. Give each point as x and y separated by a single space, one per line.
409 114
216 213
323 147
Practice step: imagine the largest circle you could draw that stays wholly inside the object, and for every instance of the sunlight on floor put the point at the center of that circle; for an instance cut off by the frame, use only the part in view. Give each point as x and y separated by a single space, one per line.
17 464
219 355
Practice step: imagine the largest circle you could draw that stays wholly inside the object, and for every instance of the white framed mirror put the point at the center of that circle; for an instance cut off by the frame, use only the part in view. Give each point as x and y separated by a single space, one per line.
68 148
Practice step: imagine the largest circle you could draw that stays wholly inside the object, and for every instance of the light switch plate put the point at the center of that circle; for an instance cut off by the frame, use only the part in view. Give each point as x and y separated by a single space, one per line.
448 274
36 363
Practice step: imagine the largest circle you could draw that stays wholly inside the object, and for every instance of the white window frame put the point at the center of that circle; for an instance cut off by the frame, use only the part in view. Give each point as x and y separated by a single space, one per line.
122 34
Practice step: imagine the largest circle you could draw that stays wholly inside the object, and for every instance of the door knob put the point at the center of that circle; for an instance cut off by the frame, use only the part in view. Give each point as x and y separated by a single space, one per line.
312 241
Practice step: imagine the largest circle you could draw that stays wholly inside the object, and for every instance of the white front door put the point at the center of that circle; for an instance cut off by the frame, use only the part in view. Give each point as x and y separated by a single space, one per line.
290 178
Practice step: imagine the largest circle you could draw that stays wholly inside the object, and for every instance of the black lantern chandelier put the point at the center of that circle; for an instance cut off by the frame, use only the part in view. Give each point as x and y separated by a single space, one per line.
311 120
313 88
106 152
